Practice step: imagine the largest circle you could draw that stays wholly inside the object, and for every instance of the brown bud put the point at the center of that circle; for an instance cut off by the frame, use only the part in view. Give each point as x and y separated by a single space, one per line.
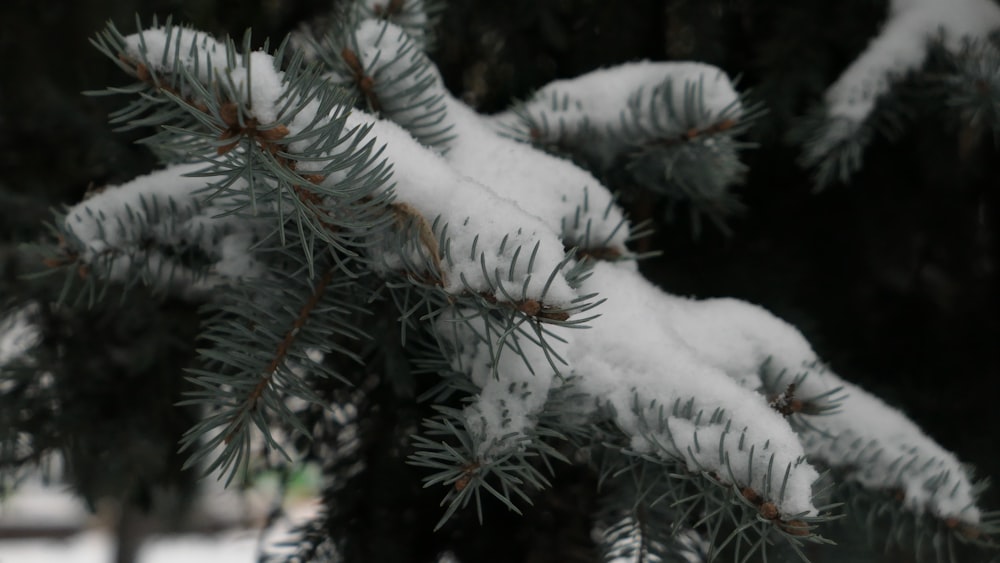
53 262
751 495
142 72
969 532
230 114
351 58
726 125
769 511
529 307
796 527
274 133
553 315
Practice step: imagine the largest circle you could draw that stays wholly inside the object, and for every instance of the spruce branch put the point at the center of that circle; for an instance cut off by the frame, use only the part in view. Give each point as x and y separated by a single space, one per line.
585 211
671 118
972 83
267 339
858 104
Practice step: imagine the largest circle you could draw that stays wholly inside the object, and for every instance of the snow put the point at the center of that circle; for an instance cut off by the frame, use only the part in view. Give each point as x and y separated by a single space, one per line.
902 46
491 246
17 333
98 547
53 508
635 354
571 199
606 111
513 372
556 190
391 57
165 49
889 451
885 450
167 207
489 239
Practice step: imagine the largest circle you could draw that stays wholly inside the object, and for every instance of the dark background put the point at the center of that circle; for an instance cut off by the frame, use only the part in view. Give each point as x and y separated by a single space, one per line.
893 277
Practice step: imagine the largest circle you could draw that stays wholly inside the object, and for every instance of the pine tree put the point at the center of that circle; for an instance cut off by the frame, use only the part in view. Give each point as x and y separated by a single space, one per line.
446 309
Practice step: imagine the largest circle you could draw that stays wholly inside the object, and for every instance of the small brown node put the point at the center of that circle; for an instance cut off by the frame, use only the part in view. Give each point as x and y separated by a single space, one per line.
553 315
768 510
468 471
966 530
786 403
353 63
969 532
795 528
273 134
365 83
142 72
405 212
54 262
306 196
229 112
751 495
725 125
600 253
530 307
394 7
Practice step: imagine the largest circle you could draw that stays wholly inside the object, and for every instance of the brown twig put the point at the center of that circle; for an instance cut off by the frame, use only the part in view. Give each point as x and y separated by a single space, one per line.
405 212
364 82
468 472
283 348
393 8
786 403
530 307
695 133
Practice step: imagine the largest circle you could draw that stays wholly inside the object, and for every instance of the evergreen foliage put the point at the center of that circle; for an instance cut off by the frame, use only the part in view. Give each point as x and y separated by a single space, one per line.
444 309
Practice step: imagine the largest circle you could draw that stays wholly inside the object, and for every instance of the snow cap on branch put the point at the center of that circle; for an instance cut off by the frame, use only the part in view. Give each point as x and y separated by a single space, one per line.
410 92
902 47
485 241
855 432
676 404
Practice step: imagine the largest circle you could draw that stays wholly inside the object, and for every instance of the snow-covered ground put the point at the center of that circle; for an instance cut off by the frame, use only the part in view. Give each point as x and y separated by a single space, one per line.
98 547
36 508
